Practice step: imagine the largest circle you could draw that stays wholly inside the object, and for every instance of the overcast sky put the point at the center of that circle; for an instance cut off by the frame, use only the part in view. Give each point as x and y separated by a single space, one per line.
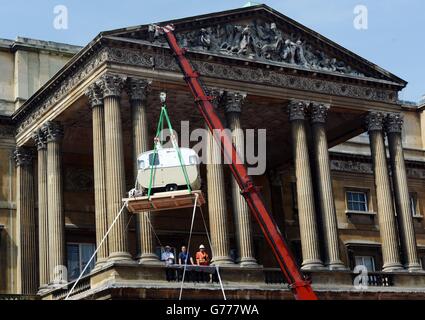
393 39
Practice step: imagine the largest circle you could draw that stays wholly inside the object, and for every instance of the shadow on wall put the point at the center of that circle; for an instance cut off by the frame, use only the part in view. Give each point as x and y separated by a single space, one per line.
7 266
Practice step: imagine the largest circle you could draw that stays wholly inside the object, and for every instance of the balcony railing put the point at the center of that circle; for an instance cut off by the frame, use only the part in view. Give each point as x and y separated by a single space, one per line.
376 279
82 285
17 297
273 276
196 274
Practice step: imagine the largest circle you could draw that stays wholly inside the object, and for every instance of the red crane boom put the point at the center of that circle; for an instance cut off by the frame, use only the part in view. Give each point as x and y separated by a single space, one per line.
299 285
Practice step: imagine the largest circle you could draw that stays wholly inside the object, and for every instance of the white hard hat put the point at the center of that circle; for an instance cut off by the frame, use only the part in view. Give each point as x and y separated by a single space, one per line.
201 246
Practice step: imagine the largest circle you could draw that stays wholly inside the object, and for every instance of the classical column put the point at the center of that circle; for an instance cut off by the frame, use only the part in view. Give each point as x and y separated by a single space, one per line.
217 207
137 91
306 210
394 125
233 104
54 133
386 216
27 237
112 86
95 97
326 199
43 219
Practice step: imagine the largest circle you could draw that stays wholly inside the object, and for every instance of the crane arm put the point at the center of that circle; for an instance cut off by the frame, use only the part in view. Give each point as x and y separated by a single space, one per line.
300 286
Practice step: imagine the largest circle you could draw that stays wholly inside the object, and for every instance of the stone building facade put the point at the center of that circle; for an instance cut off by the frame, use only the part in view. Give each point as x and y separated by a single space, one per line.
345 162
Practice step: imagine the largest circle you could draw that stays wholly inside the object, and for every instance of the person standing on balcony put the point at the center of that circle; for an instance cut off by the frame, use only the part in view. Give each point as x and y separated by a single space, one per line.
202 258
184 257
168 257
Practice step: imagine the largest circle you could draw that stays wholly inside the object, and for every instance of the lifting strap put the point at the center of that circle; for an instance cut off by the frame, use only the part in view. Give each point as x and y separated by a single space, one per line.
159 131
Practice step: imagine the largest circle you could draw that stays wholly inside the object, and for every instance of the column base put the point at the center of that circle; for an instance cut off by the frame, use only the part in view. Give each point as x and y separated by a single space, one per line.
120 256
222 261
392 267
312 265
149 258
44 288
248 262
99 264
414 267
337 265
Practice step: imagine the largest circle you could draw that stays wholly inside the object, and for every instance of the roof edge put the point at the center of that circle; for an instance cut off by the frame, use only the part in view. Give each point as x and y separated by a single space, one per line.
60 73
402 83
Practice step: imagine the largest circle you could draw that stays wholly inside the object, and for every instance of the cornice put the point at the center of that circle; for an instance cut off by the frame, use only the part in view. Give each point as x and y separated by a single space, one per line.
102 51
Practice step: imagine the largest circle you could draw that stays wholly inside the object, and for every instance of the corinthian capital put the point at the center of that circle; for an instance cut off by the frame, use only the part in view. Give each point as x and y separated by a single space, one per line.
137 89
297 109
319 112
23 156
111 84
53 131
216 95
394 123
232 101
374 121
95 95
40 139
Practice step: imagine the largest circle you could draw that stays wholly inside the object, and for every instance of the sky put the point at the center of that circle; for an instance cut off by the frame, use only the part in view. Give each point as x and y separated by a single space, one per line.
392 38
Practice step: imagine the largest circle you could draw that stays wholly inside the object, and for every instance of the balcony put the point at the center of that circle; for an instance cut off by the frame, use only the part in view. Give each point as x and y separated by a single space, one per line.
14 297
82 286
134 281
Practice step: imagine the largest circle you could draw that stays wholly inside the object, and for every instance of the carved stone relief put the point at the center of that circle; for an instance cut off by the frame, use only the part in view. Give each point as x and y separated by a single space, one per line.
418 173
351 166
259 40
355 166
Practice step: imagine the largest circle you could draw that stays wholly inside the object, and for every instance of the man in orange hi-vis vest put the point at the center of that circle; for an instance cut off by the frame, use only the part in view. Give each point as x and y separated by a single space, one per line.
202 258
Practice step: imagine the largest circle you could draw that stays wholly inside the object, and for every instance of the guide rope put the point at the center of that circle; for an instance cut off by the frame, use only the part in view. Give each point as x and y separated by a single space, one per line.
152 228
188 251
97 249
157 141
213 254
188 246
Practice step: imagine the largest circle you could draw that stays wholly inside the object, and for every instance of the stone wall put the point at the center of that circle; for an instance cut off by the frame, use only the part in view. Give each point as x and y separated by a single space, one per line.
25 66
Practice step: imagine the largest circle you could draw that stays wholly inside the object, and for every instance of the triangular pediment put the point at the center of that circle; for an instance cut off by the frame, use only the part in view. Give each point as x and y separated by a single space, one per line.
264 40
261 34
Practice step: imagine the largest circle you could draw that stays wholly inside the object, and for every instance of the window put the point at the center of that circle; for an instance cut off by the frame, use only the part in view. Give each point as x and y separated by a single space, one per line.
141 164
78 256
193 159
154 159
367 261
414 205
357 201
